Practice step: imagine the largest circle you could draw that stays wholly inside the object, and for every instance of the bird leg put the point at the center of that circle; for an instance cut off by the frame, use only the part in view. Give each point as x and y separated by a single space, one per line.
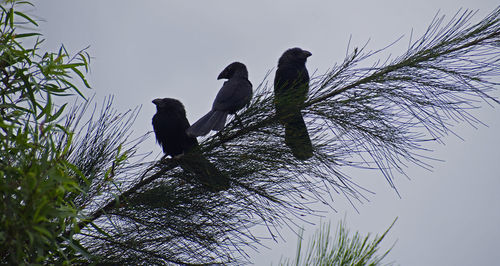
221 138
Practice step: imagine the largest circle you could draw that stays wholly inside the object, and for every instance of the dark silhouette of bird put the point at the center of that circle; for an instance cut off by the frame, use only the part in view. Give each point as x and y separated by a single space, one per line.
235 93
170 124
291 85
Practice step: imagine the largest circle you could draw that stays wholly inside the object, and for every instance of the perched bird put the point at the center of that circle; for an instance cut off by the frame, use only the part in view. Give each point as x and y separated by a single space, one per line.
170 124
291 85
235 93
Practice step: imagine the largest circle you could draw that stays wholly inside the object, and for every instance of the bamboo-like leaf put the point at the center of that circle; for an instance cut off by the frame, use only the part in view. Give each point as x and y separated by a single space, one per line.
80 74
26 17
56 115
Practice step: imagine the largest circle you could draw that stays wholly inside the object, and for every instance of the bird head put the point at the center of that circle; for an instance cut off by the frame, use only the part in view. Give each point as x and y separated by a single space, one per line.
294 55
234 69
168 104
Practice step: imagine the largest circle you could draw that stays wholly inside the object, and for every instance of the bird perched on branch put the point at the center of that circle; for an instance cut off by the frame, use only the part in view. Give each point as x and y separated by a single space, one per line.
291 85
170 124
235 93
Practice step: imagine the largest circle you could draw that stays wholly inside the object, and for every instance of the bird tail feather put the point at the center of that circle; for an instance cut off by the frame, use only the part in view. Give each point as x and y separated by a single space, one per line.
219 118
297 137
213 120
204 171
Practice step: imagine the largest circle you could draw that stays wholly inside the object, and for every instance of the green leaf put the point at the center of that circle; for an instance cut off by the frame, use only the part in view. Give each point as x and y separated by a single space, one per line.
24 35
77 172
43 231
79 248
71 85
66 66
9 18
57 114
84 59
26 17
82 77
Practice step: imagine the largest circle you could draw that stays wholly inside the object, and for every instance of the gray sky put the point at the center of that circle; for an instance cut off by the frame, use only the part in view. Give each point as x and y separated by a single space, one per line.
149 49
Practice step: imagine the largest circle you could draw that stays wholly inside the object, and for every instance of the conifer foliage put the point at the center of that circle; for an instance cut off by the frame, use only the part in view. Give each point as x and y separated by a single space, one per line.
97 200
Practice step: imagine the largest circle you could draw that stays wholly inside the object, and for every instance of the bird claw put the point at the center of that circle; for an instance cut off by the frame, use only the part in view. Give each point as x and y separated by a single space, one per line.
221 139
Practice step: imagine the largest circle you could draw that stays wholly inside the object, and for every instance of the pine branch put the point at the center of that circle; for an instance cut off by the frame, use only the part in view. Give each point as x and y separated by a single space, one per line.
343 248
378 117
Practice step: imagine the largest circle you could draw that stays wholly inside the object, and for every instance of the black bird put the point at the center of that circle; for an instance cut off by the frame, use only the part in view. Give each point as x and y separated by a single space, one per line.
170 124
291 85
234 95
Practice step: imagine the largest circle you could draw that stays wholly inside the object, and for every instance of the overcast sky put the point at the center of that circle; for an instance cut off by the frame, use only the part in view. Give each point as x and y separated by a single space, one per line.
149 49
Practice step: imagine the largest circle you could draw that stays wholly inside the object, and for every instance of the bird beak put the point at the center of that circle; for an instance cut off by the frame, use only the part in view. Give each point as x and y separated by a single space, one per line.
156 101
222 75
306 53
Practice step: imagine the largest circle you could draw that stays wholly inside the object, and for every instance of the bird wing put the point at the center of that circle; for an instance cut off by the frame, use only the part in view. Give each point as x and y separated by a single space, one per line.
234 94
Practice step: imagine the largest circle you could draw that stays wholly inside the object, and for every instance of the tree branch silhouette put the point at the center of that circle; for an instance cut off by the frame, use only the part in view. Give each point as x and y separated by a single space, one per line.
377 117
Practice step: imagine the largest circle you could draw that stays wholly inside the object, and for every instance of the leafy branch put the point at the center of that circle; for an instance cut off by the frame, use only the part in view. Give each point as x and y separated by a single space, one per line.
378 117
341 249
35 175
